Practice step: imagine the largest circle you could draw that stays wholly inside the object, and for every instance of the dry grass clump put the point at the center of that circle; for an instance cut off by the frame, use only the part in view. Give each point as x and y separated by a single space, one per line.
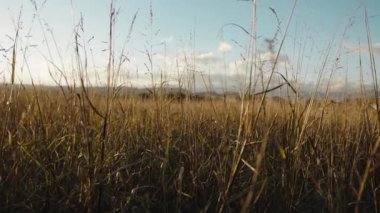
165 155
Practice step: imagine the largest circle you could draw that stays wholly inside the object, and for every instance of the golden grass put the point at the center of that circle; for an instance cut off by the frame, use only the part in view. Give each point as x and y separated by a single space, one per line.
167 155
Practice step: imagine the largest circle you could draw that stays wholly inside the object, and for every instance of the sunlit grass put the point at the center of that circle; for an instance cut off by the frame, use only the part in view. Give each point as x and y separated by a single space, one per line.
75 148
164 157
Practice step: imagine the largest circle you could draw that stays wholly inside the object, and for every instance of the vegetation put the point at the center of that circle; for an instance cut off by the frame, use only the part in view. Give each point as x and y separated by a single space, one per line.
168 155
75 148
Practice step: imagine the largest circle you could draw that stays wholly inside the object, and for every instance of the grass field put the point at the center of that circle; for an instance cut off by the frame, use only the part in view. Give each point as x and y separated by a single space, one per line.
81 147
166 155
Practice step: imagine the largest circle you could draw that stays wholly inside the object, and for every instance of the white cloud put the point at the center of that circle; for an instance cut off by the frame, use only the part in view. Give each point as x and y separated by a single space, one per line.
267 56
203 58
200 59
271 56
264 57
363 47
168 39
207 56
224 47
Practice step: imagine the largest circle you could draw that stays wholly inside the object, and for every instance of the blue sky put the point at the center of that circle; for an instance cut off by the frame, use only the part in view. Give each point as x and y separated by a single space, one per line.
219 49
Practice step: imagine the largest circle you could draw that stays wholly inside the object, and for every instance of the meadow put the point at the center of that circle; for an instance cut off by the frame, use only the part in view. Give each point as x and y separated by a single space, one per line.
81 147
163 154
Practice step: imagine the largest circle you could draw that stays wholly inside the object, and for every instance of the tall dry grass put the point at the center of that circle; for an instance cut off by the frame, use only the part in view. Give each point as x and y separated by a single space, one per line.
77 148
179 158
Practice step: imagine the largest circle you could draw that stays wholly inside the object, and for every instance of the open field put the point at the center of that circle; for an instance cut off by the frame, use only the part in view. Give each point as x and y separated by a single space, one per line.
262 117
166 154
